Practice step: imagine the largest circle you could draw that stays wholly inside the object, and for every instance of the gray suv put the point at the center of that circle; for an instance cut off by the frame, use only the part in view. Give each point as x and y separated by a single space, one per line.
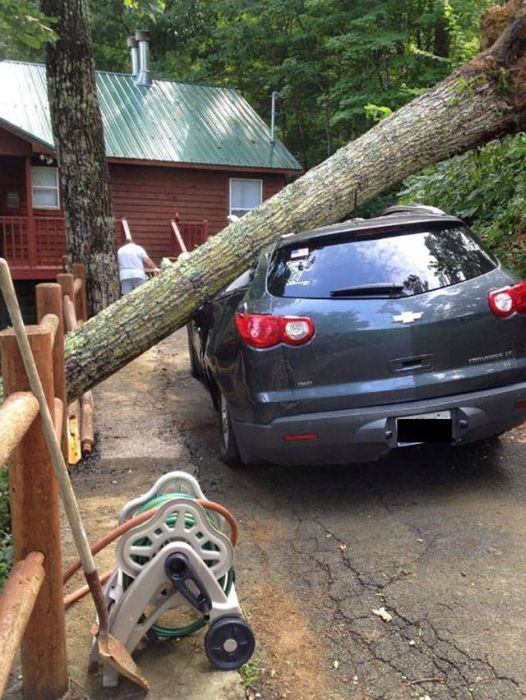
352 340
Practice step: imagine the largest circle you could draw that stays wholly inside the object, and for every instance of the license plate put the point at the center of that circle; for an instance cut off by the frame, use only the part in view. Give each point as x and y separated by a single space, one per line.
425 427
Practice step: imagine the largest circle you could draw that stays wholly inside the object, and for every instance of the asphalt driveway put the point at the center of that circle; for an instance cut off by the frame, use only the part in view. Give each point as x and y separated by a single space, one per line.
398 579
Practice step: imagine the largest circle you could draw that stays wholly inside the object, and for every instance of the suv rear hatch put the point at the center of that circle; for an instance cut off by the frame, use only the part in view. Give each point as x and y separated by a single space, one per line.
401 314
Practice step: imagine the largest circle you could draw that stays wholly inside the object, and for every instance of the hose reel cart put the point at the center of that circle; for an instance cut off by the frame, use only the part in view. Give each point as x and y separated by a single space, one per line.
179 556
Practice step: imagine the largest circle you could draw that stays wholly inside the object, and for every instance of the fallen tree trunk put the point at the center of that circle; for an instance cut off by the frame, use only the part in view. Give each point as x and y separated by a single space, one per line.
485 98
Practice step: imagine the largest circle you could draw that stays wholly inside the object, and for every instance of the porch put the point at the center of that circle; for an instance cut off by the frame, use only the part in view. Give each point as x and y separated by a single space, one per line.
32 228
33 246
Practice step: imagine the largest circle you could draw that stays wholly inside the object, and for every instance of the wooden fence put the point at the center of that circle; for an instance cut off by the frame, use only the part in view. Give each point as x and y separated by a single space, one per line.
31 603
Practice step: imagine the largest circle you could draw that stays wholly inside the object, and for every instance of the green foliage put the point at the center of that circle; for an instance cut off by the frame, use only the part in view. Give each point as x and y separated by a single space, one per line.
24 29
337 66
6 553
485 187
377 113
250 673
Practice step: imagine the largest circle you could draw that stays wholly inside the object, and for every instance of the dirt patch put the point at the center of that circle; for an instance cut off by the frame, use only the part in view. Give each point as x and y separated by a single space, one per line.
291 664
518 434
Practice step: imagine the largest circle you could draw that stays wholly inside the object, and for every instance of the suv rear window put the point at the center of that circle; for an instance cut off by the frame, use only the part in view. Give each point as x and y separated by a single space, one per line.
365 264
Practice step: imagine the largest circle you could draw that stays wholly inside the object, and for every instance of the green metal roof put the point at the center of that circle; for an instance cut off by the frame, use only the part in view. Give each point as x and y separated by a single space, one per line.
167 121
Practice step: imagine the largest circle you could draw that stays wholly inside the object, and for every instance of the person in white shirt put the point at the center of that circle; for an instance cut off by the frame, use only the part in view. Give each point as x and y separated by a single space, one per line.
133 263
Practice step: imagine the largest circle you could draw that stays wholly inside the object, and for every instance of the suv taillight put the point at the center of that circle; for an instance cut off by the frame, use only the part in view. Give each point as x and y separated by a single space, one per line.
265 331
508 300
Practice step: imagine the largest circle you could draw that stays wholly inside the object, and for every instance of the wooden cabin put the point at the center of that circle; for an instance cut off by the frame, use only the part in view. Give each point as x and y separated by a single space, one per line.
173 148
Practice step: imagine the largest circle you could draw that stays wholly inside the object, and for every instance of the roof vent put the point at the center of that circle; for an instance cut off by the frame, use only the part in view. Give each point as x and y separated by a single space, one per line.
134 52
143 41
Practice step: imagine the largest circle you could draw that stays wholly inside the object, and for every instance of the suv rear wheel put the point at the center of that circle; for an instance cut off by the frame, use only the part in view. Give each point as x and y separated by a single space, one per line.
228 449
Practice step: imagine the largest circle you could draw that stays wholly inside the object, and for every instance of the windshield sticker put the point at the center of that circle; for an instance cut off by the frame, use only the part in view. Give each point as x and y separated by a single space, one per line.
296 270
299 253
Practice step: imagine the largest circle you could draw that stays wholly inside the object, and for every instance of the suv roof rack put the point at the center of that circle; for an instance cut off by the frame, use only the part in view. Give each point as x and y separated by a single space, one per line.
412 209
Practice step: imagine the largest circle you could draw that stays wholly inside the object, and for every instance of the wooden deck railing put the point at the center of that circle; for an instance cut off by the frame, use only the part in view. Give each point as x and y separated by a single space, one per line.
192 234
31 603
29 243
34 246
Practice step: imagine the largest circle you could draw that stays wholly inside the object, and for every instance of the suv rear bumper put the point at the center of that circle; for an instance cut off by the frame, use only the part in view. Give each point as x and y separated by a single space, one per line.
365 434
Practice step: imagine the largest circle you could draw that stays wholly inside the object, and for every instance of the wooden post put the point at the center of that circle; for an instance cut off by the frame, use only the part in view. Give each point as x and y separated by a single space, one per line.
87 433
67 281
80 273
70 316
17 413
77 287
36 526
74 421
59 419
49 301
16 603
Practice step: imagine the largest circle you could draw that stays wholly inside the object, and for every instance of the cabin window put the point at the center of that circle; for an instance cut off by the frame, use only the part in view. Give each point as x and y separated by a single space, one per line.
245 195
45 188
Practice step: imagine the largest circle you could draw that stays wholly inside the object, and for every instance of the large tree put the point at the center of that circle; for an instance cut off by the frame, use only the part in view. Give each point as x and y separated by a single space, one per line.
485 98
79 142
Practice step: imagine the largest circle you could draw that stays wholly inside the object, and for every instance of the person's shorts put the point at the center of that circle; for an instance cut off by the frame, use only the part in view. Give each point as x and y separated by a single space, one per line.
128 286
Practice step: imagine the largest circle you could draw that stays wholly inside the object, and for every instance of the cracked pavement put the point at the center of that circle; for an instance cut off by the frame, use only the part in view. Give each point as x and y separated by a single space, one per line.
436 536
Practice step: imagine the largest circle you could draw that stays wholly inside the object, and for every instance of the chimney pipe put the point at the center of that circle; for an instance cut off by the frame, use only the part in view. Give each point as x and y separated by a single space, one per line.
143 40
134 52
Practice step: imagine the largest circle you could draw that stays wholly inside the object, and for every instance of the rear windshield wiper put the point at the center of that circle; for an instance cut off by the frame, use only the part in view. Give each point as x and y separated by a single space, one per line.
364 290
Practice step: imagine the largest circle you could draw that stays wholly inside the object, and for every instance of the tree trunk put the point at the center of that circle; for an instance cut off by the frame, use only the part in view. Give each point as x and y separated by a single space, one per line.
484 99
79 141
442 38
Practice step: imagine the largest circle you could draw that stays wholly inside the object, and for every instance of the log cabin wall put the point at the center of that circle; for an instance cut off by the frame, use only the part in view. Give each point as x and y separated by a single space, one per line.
11 145
12 179
149 196
13 150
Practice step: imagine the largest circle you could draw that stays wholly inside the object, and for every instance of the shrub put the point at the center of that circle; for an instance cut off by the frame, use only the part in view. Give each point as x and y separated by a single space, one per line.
485 187
5 527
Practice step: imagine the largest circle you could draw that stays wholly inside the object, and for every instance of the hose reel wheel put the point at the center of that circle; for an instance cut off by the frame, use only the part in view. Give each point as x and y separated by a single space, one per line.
177 520
229 643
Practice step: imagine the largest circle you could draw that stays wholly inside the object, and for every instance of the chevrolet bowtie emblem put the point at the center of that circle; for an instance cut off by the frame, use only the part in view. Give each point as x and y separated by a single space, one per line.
407 317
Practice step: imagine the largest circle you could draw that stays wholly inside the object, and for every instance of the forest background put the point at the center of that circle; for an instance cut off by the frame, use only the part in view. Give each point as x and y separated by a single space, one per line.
337 66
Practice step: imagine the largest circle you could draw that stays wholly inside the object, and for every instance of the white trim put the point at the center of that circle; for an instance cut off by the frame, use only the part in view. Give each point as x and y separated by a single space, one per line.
45 188
242 179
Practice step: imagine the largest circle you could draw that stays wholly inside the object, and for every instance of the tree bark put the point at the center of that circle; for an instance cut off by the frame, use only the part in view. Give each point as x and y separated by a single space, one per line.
484 99
79 141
